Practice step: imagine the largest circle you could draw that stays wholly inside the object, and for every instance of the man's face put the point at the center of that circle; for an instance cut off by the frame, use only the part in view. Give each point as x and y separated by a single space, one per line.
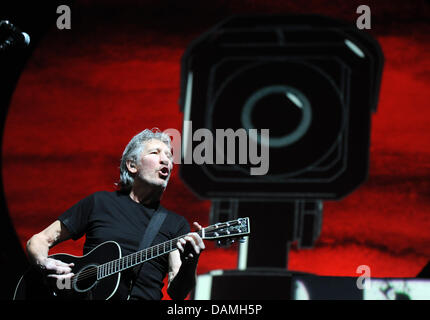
155 163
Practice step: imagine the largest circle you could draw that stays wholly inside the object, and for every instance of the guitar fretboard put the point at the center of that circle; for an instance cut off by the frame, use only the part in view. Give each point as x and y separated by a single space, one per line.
112 267
222 230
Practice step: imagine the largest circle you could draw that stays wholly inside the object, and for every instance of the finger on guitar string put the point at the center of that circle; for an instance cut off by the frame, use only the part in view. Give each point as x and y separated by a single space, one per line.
57 266
61 276
184 248
190 238
196 241
197 226
181 244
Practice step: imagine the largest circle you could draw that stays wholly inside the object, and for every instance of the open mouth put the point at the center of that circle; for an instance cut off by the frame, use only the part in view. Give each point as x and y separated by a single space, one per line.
164 172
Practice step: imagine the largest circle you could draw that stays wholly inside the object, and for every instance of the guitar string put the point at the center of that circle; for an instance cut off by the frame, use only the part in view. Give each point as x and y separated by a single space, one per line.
114 268
94 271
91 272
115 264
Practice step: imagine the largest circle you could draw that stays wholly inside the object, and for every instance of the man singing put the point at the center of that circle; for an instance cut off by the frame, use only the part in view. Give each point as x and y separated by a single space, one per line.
123 216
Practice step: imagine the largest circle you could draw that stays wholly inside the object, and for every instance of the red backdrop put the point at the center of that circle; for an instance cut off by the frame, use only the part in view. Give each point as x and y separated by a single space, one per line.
85 92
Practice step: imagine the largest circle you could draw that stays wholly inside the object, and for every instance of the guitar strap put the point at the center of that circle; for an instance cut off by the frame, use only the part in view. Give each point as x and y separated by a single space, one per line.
151 231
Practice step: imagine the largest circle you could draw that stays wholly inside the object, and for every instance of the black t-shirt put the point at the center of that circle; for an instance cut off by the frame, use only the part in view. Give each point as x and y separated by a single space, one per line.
105 216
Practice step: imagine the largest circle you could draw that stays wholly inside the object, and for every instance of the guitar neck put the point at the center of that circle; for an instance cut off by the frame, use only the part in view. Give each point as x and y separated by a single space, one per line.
222 230
112 267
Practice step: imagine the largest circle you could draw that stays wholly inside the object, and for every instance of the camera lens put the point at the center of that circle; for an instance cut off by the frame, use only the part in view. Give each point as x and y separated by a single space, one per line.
297 102
283 109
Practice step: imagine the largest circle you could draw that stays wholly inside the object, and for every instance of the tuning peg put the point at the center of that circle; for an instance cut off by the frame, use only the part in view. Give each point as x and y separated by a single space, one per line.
224 242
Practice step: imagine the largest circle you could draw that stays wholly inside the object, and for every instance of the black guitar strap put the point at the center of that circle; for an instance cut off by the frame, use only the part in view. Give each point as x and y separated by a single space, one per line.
155 223
154 226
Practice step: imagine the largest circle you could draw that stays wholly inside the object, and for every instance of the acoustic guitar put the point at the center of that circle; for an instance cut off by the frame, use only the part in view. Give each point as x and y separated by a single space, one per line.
97 274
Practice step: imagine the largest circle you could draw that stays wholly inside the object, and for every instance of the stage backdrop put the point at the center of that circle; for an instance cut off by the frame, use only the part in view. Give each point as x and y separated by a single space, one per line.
86 91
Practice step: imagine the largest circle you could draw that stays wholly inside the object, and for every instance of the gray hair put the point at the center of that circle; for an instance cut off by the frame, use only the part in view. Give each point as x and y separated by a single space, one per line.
133 151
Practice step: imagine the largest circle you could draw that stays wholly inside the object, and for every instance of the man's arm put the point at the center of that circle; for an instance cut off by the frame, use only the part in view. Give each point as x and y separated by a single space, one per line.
183 265
182 278
39 244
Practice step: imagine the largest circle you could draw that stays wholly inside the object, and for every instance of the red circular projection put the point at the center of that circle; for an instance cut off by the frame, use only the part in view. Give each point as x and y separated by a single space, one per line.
86 92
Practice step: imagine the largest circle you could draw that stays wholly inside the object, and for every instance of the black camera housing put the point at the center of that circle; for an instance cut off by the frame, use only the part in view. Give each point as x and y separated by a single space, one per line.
248 64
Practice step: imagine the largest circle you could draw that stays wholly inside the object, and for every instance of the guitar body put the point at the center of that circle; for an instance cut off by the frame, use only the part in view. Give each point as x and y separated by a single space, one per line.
35 285
97 274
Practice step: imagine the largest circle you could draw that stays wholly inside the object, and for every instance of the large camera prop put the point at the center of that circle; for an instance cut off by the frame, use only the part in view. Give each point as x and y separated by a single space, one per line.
314 83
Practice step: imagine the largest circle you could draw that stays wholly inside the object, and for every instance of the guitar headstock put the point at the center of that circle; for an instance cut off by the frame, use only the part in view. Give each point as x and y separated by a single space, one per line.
227 230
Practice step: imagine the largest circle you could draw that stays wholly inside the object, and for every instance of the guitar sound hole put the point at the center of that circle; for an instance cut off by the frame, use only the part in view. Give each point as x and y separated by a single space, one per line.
85 279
